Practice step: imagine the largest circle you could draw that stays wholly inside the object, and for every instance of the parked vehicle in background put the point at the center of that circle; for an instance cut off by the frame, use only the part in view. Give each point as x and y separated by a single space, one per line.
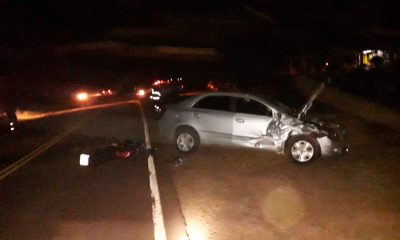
159 87
82 95
253 121
156 95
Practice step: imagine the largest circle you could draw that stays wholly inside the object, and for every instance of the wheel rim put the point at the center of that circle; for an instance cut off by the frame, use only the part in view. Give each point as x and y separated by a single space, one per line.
302 151
185 142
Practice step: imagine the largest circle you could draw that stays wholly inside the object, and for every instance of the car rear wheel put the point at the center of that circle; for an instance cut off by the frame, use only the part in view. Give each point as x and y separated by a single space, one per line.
187 140
302 149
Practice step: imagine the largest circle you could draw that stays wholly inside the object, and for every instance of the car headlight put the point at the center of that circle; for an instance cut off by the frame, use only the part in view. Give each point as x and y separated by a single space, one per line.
141 93
83 96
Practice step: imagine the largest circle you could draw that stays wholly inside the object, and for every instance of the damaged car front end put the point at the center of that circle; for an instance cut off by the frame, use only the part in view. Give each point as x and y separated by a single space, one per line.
251 121
304 140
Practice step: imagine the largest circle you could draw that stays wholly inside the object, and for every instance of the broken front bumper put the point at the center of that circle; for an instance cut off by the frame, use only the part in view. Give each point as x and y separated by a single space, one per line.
331 147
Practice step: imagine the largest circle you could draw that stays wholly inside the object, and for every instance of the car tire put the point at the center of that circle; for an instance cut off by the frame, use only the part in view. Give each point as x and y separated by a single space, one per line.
302 149
187 140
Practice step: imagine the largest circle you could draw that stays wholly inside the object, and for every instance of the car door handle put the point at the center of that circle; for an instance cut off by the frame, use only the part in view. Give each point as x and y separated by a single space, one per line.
196 115
239 120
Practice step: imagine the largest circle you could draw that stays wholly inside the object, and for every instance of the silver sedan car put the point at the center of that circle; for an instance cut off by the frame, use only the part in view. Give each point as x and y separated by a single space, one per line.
251 121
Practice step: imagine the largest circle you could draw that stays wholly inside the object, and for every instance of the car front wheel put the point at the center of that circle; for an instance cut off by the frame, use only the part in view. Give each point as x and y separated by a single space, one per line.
302 149
187 140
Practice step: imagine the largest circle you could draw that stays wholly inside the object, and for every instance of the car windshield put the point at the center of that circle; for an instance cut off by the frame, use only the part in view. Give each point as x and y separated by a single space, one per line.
279 105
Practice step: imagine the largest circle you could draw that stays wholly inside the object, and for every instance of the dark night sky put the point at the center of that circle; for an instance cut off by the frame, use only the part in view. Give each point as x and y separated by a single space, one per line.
239 26
330 21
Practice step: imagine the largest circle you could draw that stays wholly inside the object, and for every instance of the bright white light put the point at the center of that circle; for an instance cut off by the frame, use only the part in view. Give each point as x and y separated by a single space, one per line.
157 108
155 97
12 129
11 123
195 233
84 160
155 92
82 96
141 93
367 51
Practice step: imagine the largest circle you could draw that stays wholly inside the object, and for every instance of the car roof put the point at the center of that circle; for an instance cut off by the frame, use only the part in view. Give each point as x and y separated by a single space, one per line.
199 95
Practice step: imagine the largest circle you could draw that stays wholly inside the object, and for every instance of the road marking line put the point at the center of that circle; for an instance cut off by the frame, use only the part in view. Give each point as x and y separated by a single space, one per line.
158 218
27 116
21 160
27 158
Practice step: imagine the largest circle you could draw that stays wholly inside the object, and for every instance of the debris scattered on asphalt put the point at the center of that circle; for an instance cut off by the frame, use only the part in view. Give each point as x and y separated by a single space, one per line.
176 161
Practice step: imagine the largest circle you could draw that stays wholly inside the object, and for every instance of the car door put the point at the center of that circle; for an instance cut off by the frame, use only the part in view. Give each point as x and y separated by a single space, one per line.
212 117
251 120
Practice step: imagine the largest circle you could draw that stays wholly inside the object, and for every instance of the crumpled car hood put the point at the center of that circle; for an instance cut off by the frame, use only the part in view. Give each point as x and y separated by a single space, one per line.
311 100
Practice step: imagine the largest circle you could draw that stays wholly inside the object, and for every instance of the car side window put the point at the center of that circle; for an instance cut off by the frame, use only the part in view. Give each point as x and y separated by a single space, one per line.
220 103
248 106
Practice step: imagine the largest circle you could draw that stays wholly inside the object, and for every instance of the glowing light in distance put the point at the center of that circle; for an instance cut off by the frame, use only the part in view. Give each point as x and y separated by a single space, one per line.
155 92
140 93
28 115
106 92
159 82
82 96
155 97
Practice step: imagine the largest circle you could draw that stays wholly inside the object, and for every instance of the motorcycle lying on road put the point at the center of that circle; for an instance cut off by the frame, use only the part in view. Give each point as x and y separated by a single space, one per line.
99 155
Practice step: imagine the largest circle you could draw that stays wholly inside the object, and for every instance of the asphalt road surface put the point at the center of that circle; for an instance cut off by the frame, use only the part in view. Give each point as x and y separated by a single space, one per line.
53 197
216 193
